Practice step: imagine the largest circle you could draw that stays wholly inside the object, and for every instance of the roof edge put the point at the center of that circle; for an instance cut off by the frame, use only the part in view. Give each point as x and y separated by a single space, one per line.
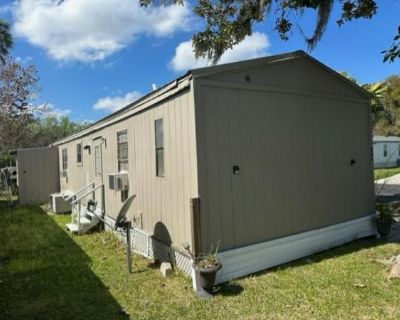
125 110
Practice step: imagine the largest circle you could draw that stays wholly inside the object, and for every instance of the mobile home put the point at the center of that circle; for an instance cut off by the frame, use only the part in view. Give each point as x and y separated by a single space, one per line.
270 157
386 151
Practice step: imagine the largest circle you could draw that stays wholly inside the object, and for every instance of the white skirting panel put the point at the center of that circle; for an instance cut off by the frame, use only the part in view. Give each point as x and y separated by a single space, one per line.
253 258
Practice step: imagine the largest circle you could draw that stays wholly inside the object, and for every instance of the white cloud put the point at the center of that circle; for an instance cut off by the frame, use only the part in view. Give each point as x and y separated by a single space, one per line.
117 102
56 112
253 46
23 60
91 30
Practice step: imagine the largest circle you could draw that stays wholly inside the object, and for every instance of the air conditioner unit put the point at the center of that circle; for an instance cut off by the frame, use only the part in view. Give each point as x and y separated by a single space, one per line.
58 204
118 181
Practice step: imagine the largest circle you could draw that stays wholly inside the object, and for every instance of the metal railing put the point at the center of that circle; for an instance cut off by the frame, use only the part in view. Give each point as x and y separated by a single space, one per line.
77 201
73 196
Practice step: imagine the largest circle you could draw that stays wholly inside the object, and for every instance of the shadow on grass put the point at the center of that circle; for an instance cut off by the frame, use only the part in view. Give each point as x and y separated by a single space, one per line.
44 274
230 289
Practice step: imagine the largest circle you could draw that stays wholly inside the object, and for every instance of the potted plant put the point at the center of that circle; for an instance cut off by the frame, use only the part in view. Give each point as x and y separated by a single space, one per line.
207 267
385 219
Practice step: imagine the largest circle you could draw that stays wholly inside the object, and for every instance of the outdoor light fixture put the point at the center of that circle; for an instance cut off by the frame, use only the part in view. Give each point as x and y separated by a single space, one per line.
236 170
87 147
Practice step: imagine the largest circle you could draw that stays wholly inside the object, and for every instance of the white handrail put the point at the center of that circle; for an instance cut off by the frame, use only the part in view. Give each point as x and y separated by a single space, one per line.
87 193
75 194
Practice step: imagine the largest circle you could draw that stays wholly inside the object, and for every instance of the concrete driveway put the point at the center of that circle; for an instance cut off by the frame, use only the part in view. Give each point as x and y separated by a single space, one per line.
388 186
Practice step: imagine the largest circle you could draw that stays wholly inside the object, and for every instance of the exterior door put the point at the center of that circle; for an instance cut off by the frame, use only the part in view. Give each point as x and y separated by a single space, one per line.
97 174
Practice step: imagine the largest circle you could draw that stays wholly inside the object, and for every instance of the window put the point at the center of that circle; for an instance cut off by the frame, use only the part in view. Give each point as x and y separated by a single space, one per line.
79 153
97 161
64 159
122 149
398 148
385 150
159 134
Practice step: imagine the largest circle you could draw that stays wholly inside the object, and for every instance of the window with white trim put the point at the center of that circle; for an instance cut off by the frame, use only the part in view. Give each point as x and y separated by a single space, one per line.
122 150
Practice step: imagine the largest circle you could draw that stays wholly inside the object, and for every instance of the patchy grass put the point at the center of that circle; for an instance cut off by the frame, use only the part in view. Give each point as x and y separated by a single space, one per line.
385 172
45 273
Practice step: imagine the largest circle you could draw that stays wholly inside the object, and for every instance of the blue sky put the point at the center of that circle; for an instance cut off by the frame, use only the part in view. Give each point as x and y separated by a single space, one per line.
94 56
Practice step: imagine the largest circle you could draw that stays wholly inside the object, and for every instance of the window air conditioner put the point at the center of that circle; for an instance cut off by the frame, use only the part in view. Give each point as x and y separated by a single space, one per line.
58 204
118 181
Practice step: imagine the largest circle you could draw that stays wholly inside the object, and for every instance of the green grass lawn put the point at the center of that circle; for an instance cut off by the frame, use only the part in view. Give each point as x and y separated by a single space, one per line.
45 273
385 172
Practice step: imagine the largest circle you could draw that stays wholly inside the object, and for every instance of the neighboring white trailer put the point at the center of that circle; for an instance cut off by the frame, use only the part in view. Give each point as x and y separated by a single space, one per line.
386 151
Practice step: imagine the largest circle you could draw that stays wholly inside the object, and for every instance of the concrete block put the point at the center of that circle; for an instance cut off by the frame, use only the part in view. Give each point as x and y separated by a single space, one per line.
166 269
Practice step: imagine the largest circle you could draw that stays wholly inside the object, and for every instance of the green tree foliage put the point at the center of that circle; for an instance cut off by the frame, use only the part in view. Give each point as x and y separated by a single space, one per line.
389 99
5 40
18 108
394 51
22 120
47 130
385 103
228 22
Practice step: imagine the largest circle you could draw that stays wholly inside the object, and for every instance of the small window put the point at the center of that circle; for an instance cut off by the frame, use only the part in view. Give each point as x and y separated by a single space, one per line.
385 150
97 161
64 159
159 137
122 150
79 153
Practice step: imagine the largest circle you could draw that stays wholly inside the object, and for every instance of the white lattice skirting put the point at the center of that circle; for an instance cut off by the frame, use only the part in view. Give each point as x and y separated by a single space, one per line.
253 258
144 244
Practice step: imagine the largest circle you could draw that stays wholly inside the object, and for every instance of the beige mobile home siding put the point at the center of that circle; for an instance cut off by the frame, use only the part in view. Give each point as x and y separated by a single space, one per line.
294 149
37 171
159 199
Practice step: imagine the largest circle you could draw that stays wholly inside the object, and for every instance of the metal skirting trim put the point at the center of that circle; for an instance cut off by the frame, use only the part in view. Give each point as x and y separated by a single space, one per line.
253 258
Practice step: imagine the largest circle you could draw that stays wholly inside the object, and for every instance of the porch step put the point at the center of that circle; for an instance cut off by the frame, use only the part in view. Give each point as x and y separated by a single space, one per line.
85 221
72 227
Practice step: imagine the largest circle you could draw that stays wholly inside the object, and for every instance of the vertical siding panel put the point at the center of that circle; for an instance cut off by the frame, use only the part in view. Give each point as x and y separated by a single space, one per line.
192 161
180 229
212 160
172 175
150 170
247 170
159 199
177 169
224 169
234 119
201 130
185 215
169 162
